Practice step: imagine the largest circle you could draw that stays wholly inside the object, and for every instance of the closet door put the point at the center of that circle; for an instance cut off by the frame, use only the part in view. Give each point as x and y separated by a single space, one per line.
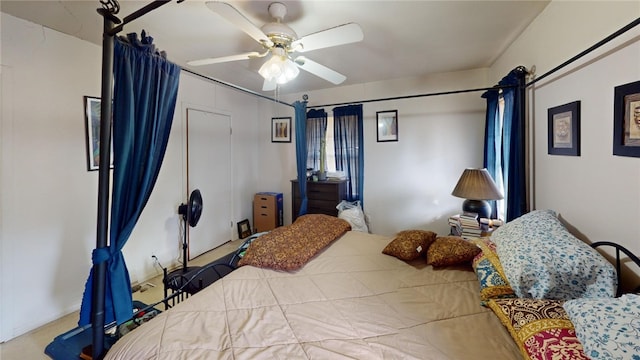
209 169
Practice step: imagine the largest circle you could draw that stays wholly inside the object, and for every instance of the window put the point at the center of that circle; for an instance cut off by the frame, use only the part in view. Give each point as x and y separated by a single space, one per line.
349 156
331 149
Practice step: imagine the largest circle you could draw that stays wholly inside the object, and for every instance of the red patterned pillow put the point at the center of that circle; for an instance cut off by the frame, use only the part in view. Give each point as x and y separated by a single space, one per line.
540 327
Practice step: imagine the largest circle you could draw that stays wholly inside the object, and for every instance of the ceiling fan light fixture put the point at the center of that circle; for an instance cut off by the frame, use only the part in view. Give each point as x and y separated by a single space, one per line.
290 72
279 69
281 41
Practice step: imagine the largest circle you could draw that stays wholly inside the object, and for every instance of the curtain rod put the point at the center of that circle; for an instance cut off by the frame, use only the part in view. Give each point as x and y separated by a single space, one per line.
136 14
624 29
250 92
154 5
621 31
415 96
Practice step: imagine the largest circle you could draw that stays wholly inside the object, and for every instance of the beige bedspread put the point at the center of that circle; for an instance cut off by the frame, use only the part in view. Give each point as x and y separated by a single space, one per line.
350 301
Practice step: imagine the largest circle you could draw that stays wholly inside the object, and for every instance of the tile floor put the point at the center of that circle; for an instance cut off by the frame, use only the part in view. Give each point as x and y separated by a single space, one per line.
31 346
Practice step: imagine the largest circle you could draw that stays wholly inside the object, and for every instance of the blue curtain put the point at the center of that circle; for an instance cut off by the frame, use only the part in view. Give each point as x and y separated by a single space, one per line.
316 131
349 148
493 147
505 142
301 152
145 92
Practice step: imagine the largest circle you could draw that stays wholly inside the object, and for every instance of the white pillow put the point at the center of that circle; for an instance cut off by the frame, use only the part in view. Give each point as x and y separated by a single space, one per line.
607 328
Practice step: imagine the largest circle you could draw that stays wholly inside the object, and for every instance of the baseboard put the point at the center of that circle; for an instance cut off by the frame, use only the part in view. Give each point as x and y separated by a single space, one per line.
27 327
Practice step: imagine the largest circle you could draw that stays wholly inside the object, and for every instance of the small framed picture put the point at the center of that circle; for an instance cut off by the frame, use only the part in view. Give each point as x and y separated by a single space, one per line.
92 115
281 129
244 229
626 120
387 125
564 129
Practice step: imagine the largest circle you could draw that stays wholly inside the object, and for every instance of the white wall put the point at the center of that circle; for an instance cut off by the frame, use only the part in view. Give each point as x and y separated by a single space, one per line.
49 199
408 183
596 193
276 161
47 193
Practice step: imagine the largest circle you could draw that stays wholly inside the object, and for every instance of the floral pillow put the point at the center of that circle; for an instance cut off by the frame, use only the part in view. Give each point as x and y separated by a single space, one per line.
493 282
543 260
410 244
607 328
541 328
451 250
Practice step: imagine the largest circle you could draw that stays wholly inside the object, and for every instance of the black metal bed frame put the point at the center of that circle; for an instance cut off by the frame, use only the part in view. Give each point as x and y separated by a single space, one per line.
181 283
619 248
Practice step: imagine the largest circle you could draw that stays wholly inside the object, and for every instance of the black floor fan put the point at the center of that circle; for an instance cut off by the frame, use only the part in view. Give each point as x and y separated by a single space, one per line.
191 213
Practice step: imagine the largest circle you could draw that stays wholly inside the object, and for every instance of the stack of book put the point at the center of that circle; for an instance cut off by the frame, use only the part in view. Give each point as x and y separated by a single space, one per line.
465 225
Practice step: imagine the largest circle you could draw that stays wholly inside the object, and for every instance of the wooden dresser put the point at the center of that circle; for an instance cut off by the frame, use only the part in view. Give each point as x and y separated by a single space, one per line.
322 197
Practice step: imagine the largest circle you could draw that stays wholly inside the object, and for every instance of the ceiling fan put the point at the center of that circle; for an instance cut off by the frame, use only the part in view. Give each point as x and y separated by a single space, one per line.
281 42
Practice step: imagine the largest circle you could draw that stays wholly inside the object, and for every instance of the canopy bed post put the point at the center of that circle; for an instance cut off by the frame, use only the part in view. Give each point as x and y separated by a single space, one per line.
101 253
100 268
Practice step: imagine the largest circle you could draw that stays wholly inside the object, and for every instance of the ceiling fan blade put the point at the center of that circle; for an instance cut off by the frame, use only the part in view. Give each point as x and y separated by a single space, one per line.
320 70
207 61
238 19
339 35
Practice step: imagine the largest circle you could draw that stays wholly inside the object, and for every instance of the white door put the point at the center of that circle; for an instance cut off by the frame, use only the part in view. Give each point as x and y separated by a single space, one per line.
209 170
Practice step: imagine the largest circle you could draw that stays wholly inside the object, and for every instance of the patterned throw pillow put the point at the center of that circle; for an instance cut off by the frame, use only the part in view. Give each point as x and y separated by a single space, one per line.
451 250
541 328
607 328
543 260
493 282
410 244
289 247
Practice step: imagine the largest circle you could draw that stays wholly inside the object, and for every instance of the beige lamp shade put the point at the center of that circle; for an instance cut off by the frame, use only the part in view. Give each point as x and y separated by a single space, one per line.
477 184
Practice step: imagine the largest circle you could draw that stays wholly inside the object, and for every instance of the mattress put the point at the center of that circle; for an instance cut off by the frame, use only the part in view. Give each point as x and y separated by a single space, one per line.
349 301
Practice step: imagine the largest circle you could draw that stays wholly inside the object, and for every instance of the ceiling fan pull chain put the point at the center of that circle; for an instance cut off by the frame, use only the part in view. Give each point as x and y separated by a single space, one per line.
276 98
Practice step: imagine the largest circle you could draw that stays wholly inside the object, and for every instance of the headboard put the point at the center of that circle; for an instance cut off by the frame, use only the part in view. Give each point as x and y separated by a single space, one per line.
619 248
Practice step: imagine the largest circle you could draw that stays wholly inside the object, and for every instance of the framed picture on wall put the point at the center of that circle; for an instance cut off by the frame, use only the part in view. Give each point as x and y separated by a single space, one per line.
281 129
92 132
564 129
387 125
626 120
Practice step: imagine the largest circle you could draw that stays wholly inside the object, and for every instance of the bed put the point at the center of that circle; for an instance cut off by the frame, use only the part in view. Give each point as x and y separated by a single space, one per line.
355 295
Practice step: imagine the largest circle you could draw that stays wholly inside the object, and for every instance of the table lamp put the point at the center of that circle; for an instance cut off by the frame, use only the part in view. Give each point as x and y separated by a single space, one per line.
476 186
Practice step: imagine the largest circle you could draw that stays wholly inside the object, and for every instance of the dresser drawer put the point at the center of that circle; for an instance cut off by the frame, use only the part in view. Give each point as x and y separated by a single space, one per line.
264 201
322 207
322 197
323 192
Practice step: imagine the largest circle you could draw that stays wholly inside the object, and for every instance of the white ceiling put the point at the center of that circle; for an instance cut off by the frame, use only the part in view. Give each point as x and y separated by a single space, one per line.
401 38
